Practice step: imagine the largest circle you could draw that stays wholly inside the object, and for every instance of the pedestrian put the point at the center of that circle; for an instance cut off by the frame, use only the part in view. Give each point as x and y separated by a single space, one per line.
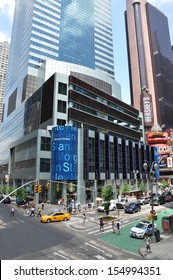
101 224
12 212
147 243
84 218
42 205
113 226
39 212
118 224
32 211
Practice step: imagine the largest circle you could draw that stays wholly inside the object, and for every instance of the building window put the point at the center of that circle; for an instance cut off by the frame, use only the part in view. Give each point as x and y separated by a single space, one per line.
61 122
62 88
45 144
44 165
61 106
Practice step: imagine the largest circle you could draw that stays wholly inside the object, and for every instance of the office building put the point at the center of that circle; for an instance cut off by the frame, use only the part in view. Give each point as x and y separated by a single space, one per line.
61 74
78 32
4 54
108 135
150 57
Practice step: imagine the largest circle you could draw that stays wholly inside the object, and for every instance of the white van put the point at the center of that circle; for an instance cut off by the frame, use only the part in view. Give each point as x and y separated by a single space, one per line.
125 201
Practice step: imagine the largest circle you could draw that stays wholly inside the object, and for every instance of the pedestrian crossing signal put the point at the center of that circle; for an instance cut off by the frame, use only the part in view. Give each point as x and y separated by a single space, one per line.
48 186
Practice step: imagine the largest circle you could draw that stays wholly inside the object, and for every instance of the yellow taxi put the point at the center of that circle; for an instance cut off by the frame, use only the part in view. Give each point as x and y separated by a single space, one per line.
55 217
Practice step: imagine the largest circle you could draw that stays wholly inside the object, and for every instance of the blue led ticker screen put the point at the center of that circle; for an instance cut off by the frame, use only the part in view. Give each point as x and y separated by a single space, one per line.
64 153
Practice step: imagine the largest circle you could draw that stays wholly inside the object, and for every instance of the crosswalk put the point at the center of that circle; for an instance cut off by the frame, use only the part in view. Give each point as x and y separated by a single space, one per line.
93 228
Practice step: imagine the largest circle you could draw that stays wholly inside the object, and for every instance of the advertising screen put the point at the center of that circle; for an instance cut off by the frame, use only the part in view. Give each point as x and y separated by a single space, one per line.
64 153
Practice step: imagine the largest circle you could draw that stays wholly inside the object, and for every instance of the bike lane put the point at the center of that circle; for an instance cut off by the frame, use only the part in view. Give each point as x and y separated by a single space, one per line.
127 243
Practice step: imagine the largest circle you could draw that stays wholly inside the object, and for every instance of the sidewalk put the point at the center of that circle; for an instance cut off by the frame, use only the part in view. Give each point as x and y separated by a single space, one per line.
162 250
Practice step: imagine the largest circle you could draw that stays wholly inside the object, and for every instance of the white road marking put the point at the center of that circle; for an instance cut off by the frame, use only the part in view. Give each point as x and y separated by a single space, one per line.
86 243
55 253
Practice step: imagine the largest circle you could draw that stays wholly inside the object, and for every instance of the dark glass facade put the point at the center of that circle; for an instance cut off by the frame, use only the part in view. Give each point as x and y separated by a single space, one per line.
162 54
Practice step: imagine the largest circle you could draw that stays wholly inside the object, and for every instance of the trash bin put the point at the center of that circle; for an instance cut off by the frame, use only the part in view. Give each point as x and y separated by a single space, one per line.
157 235
167 223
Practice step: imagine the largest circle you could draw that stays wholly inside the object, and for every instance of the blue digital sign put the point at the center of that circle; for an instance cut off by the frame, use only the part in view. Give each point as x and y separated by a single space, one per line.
64 153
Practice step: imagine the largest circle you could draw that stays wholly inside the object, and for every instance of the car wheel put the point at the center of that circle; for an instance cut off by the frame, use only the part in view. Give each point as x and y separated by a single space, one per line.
65 219
48 221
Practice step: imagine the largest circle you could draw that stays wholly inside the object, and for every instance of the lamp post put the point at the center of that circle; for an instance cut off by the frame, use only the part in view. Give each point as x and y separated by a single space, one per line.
151 174
135 172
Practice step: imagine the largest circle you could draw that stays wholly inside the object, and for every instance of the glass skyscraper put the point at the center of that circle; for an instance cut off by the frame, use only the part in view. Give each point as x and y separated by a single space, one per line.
75 31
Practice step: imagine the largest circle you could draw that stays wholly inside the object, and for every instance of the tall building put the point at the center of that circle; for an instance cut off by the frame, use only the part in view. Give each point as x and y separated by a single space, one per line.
150 62
61 75
74 31
4 54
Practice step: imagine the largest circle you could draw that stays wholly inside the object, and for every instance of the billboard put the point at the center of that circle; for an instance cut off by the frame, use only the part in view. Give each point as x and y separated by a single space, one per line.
64 153
147 108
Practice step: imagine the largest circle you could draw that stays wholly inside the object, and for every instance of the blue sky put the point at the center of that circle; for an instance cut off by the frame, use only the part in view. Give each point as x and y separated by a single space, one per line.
120 53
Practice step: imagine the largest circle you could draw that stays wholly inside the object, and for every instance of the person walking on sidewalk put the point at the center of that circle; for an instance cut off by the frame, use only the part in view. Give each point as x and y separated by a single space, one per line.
42 205
32 211
39 212
12 212
84 218
113 226
101 224
147 243
118 227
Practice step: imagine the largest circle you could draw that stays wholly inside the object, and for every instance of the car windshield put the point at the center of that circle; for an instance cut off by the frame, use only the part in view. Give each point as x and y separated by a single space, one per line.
141 225
51 213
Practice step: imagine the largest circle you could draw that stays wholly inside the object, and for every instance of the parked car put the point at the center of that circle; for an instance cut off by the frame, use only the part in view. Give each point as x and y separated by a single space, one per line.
55 217
142 229
157 200
7 200
168 196
133 208
101 208
144 200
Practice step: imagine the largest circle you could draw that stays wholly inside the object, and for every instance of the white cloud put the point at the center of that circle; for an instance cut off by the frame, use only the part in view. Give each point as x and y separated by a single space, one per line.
7 8
160 2
4 37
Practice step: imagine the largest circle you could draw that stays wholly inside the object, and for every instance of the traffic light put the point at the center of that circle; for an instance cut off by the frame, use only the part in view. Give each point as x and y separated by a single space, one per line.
36 188
39 188
48 186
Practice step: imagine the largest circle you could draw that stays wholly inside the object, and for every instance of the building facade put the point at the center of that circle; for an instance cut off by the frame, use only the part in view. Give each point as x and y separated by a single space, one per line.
109 136
150 62
52 30
4 54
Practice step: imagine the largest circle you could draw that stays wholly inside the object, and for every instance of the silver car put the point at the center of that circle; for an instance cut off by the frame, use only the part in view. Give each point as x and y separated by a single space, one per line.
144 200
142 229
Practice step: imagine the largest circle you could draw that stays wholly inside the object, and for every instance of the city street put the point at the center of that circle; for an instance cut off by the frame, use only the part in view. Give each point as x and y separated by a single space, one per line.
24 237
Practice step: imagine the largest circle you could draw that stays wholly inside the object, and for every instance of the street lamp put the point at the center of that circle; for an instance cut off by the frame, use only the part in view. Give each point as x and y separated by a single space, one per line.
135 172
151 174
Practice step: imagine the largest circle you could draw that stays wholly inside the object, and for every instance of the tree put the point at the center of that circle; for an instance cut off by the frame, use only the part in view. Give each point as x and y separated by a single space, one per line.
107 195
126 188
142 187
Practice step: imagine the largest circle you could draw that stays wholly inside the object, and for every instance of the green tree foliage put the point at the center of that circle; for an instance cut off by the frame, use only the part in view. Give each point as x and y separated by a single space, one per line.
21 193
164 184
142 187
107 196
126 188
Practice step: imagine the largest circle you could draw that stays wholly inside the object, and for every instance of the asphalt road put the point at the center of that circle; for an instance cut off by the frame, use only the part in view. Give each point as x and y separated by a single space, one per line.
23 237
